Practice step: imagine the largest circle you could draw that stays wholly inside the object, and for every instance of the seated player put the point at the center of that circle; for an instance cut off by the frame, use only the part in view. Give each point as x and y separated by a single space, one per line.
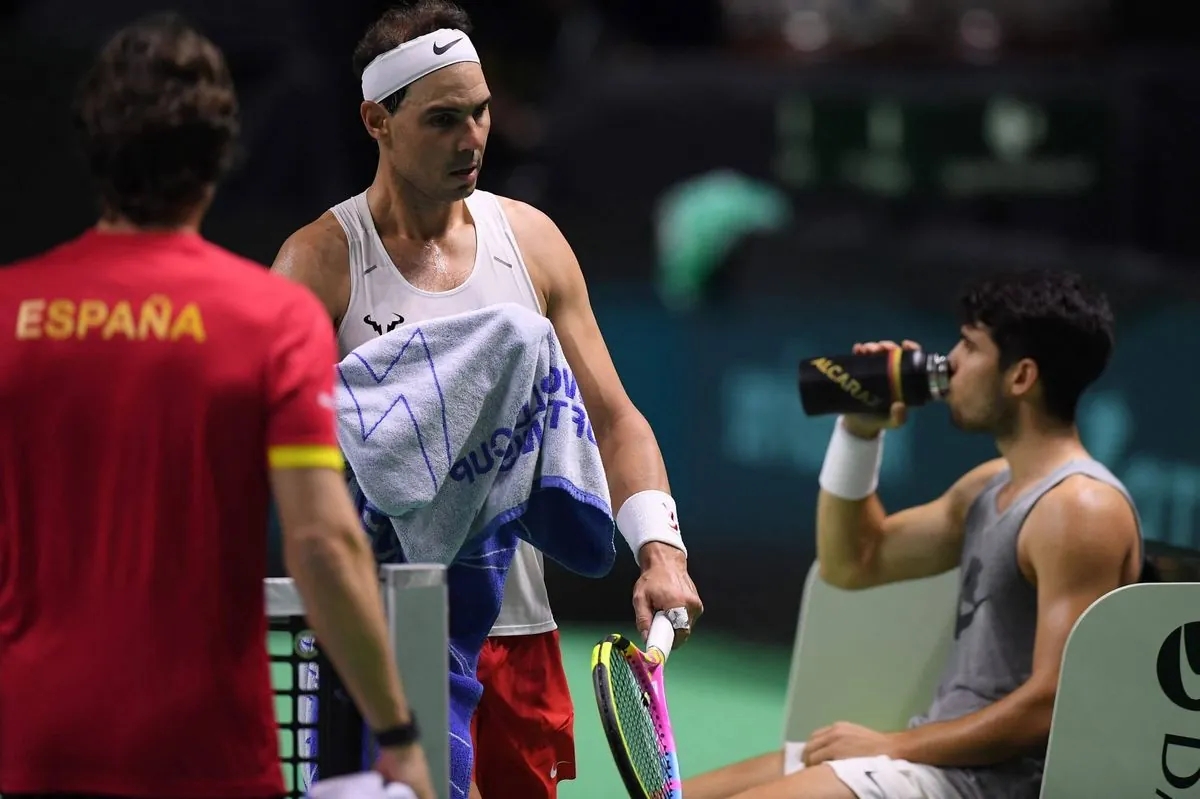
1039 533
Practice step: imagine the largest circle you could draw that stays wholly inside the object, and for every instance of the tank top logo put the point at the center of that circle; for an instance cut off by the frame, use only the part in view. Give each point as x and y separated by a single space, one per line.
396 321
969 601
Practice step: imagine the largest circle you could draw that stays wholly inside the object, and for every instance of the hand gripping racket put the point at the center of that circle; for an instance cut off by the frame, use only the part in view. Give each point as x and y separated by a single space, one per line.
632 700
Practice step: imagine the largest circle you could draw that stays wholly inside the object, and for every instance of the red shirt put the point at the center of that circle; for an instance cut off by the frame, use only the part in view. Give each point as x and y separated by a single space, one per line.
145 382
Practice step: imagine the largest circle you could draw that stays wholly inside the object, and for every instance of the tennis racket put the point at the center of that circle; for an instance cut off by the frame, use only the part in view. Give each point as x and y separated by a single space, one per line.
632 700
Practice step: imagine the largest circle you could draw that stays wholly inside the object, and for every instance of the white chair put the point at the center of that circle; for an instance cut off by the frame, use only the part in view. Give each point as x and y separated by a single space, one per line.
1127 712
872 657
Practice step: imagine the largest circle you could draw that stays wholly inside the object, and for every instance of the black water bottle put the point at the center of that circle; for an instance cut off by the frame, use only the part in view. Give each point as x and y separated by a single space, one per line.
870 383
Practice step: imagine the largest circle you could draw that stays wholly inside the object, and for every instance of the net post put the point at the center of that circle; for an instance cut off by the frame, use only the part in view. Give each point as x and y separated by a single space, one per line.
295 685
417 610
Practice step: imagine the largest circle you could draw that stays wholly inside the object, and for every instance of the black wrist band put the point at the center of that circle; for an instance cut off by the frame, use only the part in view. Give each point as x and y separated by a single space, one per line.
401 735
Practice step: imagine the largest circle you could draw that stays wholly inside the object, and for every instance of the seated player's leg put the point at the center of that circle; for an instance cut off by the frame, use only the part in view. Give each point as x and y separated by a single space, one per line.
815 783
524 726
729 780
782 775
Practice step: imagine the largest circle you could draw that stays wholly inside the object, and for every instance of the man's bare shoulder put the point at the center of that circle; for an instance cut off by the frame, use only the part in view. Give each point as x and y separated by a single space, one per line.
321 245
318 256
1082 511
525 215
552 263
534 229
1080 530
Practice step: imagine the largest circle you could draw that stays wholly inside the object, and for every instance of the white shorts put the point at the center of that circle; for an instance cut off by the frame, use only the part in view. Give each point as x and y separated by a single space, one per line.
879 777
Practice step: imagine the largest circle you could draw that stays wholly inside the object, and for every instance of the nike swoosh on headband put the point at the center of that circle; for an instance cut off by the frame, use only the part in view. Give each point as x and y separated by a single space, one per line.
439 49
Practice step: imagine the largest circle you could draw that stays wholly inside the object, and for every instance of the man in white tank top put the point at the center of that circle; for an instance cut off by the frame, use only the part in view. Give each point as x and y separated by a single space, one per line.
1039 534
421 242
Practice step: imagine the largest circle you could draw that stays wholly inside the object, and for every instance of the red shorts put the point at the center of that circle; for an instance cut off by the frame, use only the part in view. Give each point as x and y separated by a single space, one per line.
523 730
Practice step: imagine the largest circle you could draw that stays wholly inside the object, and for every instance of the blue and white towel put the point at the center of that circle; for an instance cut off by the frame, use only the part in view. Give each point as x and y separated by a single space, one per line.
457 426
465 433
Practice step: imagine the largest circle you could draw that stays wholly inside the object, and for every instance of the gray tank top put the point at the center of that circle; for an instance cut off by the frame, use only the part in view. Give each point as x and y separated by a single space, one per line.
992 653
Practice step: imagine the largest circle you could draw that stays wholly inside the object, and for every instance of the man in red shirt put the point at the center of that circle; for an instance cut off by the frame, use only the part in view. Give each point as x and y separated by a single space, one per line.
154 390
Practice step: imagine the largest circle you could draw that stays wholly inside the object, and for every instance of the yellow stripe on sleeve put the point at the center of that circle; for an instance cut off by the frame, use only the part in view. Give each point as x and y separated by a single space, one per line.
305 457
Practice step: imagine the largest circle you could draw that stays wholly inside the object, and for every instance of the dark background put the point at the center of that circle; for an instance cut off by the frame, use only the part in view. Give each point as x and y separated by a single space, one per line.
746 182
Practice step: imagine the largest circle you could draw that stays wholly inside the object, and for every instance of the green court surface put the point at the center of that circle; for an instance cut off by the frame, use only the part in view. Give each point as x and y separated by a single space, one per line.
726 703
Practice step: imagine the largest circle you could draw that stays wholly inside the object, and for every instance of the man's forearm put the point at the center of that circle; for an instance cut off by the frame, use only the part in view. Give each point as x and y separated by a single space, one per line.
845 532
634 464
631 457
340 589
849 515
1013 726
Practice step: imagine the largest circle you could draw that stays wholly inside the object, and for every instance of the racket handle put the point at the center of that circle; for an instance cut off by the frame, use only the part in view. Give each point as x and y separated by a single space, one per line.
662 635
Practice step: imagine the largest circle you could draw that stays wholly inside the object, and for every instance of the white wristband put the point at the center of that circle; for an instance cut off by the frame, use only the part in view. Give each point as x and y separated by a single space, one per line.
649 516
851 468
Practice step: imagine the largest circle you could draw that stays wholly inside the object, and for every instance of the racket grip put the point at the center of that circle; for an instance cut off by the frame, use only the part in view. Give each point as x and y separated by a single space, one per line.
662 635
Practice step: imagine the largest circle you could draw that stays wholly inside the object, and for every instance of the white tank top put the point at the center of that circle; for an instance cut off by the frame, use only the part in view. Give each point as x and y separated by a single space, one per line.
381 299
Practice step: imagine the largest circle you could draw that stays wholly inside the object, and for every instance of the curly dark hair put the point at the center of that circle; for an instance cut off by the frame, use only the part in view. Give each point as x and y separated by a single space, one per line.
1051 317
402 24
158 118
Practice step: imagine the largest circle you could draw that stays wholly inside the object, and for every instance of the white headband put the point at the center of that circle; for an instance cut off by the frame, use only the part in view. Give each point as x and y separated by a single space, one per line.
415 59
